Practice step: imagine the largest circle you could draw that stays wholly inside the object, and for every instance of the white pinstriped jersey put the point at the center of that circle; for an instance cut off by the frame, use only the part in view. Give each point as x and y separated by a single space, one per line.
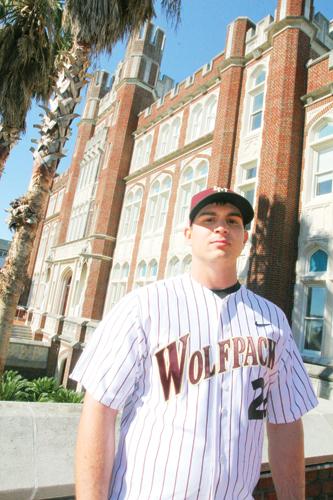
196 376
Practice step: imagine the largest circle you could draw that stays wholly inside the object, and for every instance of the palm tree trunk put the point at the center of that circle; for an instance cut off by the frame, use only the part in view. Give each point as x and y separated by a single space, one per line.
8 139
27 211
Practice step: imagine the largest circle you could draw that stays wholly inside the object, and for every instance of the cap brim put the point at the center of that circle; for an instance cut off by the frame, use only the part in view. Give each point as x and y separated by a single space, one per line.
235 199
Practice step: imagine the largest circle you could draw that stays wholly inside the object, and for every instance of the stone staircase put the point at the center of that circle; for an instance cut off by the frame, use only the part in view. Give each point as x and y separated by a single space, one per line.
21 332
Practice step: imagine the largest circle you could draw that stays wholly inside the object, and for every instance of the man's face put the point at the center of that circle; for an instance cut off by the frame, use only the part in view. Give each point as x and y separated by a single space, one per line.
217 233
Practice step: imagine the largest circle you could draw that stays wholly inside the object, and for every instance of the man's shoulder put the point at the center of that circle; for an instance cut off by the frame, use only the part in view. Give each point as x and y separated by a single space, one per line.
259 302
162 284
142 292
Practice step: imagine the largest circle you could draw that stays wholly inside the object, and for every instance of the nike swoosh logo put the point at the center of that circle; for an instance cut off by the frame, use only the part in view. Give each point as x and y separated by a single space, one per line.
262 324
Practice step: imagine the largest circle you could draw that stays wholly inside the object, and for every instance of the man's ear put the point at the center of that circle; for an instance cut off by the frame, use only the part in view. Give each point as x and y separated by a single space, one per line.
188 233
246 236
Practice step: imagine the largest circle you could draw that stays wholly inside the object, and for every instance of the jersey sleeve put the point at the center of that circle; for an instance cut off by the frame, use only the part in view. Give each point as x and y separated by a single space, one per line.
110 363
291 394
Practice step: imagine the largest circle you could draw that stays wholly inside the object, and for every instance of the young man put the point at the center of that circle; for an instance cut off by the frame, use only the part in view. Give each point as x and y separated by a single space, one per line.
196 363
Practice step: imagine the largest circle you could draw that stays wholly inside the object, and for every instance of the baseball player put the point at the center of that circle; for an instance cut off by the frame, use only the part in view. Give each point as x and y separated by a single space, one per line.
196 364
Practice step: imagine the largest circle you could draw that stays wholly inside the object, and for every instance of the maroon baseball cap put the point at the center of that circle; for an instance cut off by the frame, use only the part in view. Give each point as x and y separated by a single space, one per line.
218 194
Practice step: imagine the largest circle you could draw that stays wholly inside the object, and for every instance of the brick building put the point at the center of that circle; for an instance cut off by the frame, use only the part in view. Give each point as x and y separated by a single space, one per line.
257 118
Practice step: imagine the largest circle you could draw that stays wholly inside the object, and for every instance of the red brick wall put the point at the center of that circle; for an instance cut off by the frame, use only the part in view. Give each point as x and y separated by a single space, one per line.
110 194
319 75
228 108
184 91
294 7
274 249
318 479
225 129
85 132
240 27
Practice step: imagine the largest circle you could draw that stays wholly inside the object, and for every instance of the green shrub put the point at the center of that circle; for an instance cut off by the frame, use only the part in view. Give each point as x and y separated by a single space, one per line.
63 395
13 387
42 389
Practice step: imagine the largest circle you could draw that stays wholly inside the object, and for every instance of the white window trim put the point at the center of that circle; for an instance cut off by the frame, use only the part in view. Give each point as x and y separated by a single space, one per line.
312 283
313 279
131 208
202 103
317 147
250 91
157 226
170 145
179 223
242 183
117 286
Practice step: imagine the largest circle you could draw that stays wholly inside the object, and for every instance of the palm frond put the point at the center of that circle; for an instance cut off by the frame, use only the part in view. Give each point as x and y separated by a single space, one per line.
30 37
101 23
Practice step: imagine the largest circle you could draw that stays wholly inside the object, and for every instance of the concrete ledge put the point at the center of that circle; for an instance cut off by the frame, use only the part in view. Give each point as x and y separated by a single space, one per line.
27 353
38 441
318 436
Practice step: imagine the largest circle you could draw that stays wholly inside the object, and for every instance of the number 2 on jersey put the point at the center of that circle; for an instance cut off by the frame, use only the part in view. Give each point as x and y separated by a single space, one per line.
254 412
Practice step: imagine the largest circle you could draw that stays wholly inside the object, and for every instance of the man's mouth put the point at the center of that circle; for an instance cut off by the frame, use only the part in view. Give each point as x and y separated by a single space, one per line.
220 242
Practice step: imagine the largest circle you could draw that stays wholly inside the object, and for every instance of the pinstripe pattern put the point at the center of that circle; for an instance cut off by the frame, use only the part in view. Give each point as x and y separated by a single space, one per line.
205 441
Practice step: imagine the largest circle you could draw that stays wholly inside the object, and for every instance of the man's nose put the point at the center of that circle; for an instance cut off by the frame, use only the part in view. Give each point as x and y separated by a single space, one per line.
221 227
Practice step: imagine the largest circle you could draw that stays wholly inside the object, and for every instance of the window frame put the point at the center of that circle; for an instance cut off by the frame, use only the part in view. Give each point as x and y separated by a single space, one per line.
319 145
254 90
245 185
196 184
311 280
130 213
155 217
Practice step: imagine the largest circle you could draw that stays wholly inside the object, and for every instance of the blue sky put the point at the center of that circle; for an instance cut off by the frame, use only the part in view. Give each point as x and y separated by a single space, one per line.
198 38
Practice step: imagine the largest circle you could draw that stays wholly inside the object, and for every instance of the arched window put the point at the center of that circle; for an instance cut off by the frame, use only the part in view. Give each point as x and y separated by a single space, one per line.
151 213
193 180
325 131
141 152
316 298
137 154
81 284
118 285
152 271
158 202
66 285
186 264
195 122
130 213
322 150
141 274
173 267
42 246
210 113
163 140
175 128
257 92
318 261
147 148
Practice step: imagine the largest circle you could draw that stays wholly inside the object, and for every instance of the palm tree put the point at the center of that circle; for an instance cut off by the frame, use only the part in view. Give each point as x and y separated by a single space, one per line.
95 26
30 36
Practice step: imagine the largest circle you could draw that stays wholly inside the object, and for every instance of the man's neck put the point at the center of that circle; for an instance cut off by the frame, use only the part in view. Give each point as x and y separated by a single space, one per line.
213 277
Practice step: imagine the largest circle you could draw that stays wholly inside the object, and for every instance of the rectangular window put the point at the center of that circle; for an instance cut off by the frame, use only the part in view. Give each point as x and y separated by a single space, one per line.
247 185
324 184
185 203
256 113
314 319
324 174
248 193
250 173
